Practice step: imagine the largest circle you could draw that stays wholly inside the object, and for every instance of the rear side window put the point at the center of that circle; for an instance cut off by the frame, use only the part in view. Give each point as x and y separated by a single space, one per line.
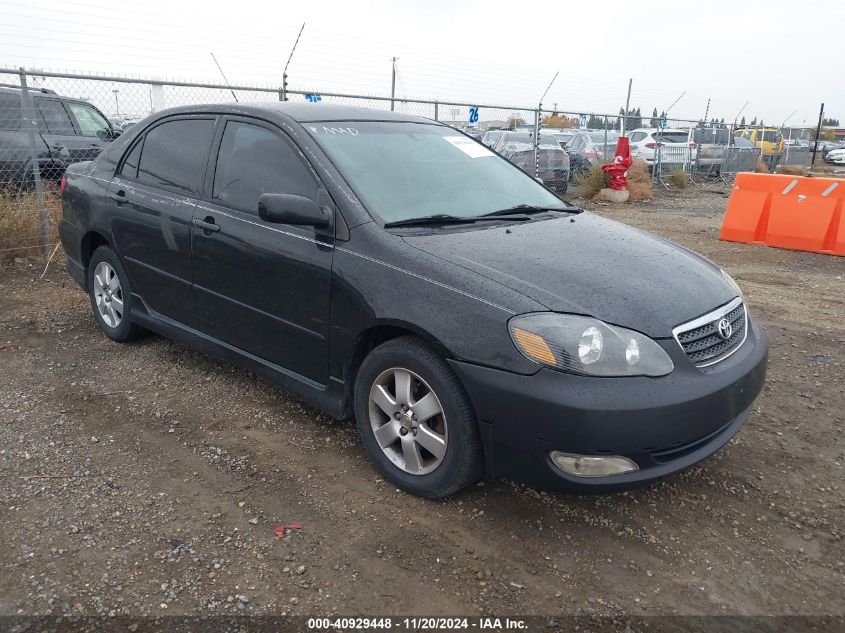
10 112
253 160
53 117
637 136
175 153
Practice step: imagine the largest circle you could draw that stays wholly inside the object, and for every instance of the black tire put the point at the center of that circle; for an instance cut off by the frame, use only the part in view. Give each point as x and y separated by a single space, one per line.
463 461
125 330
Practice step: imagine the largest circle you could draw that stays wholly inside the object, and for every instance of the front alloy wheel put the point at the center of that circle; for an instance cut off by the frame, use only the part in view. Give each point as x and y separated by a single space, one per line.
416 420
408 421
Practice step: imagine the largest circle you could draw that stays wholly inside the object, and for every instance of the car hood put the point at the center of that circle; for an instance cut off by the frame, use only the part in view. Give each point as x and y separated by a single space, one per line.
585 264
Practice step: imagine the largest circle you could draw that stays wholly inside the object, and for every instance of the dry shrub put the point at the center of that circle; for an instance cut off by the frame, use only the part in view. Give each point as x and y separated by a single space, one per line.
592 180
761 167
792 170
679 178
639 181
20 230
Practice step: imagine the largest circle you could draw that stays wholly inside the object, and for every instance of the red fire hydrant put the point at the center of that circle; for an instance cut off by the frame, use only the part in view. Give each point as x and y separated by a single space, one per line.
618 169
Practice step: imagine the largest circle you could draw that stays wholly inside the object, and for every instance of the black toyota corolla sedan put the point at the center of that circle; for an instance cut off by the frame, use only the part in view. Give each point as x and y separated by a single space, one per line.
391 269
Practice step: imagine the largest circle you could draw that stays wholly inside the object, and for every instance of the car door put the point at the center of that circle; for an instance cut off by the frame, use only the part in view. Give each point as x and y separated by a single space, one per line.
57 130
94 130
151 205
260 287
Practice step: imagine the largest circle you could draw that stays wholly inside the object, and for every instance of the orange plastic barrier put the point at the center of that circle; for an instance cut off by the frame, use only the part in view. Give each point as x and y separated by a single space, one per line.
795 212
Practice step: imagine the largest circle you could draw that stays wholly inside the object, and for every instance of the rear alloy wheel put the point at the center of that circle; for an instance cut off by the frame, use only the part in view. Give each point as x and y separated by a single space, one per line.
415 419
111 295
108 294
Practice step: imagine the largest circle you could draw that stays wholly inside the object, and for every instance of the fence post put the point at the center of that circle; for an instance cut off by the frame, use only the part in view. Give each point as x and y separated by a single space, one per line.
436 111
537 143
30 122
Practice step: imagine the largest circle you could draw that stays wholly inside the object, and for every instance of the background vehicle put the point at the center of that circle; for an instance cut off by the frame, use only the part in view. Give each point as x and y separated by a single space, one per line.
69 130
586 148
768 140
554 165
712 144
835 156
490 137
644 142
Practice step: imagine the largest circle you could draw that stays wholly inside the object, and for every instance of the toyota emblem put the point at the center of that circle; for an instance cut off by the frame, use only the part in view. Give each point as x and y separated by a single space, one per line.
725 329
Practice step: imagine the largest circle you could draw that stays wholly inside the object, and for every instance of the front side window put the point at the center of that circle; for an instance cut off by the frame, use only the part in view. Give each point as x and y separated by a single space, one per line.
175 153
90 122
53 117
253 160
403 170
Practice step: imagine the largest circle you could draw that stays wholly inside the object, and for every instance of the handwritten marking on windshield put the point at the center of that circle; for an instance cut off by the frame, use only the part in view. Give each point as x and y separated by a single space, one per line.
348 131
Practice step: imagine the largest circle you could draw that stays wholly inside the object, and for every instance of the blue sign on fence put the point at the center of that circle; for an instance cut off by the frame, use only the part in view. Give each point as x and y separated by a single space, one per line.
312 98
663 123
473 115
582 121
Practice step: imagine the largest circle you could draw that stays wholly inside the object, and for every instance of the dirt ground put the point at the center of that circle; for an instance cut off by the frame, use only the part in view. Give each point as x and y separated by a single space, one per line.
148 479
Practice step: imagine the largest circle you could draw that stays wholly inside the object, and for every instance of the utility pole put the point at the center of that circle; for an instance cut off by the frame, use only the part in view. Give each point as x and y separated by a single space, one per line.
818 135
393 84
283 95
627 105
116 107
537 127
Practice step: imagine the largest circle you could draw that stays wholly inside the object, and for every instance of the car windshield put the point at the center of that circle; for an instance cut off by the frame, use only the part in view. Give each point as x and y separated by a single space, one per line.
404 170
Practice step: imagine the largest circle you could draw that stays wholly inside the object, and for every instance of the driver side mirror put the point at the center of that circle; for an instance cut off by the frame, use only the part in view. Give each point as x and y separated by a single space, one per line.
283 208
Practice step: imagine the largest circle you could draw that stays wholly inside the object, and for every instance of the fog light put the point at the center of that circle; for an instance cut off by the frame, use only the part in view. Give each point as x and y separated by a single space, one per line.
593 465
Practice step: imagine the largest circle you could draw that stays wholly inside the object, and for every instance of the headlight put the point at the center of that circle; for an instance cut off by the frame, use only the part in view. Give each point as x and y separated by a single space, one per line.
584 345
733 285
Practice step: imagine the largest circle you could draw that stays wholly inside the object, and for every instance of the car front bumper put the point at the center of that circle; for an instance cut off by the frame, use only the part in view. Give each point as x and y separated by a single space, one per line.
663 424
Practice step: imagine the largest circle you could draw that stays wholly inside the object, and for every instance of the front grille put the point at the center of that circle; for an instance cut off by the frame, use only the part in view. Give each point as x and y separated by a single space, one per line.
701 341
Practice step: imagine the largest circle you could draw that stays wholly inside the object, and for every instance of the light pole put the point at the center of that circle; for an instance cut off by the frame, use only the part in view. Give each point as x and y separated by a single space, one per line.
116 105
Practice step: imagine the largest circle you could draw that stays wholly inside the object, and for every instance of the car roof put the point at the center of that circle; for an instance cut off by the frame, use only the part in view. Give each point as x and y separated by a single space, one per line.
299 112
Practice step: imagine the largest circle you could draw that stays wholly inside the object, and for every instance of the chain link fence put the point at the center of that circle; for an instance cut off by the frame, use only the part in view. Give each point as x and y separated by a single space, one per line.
49 120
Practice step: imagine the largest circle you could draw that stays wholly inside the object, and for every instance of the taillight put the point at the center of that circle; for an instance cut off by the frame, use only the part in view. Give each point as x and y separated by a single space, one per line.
590 153
693 145
62 185
651 145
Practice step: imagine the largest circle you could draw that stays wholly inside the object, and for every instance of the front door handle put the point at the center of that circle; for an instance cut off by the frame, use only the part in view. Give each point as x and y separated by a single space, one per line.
206 225
119 196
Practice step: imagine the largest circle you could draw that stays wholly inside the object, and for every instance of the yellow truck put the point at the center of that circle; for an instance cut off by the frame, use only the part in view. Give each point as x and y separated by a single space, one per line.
768 139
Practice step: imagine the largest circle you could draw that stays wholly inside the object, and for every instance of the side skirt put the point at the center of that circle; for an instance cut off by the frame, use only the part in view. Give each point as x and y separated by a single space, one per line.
328 398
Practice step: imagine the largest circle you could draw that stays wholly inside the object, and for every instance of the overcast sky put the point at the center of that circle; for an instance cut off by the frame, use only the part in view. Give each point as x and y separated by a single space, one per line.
770 53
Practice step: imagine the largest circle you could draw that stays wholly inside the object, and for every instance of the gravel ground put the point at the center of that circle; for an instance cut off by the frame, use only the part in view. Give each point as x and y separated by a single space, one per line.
148 479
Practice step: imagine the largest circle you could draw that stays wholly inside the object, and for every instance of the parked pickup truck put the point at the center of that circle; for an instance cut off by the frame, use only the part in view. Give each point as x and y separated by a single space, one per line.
69 131
712 144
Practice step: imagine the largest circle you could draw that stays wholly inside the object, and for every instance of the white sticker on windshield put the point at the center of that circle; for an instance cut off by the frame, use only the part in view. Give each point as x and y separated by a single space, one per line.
468 146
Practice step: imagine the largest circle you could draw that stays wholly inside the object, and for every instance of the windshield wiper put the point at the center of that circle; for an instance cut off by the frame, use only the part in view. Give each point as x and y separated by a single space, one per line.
525 209
442 218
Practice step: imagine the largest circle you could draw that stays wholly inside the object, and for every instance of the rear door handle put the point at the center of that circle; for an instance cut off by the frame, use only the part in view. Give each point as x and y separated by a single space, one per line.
206 225
119 196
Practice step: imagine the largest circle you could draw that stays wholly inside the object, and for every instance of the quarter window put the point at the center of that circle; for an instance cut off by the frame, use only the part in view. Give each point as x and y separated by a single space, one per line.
10 112
175 153
53 117
253 160
130 165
